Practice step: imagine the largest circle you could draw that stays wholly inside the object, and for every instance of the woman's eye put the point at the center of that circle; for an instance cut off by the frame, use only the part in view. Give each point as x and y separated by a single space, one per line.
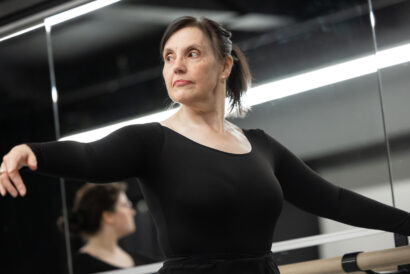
193 54
168 58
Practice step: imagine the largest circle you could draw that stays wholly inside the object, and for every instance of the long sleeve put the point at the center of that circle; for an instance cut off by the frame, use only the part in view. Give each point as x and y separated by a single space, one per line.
128 152
307 190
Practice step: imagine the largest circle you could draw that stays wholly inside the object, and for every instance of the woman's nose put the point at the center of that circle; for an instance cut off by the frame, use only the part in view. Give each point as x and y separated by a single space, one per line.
179 65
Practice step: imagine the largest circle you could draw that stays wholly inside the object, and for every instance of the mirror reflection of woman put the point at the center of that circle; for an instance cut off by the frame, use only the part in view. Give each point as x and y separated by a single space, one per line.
102 214
215 190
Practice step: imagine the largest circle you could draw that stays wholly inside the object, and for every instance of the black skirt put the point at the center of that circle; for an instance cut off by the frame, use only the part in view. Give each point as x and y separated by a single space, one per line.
221 264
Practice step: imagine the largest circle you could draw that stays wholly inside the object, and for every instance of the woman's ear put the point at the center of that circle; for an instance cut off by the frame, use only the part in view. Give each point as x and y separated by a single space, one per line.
227 66
107 217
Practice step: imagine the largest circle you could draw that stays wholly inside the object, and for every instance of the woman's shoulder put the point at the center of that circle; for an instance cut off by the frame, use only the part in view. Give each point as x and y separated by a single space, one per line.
84 262
254 132
261 136
83 256
147 128
150 133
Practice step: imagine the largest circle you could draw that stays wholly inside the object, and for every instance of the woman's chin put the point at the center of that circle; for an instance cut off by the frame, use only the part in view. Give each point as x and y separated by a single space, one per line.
190 100
128 232
182 96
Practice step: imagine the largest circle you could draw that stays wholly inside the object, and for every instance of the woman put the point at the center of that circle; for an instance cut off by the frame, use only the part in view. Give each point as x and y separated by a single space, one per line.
102 215
202 175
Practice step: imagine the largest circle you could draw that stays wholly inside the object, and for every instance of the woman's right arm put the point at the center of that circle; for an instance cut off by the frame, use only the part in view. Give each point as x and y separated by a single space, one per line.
125 153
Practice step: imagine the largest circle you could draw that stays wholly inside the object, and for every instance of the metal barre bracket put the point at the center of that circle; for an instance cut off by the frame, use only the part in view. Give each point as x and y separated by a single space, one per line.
349 262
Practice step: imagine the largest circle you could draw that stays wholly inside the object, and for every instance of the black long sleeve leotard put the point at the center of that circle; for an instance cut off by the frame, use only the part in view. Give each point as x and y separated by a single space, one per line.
207 201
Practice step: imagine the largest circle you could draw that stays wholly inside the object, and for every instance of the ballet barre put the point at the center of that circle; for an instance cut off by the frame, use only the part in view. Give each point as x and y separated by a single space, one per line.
381 260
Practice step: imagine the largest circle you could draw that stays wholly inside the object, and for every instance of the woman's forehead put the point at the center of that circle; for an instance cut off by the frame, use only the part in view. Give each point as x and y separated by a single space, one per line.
186 37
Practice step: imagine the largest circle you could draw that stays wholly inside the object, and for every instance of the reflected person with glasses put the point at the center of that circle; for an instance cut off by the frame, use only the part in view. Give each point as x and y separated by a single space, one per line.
102 214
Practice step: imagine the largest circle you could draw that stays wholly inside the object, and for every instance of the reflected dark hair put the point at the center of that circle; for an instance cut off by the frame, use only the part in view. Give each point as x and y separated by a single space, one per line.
90 202
240 79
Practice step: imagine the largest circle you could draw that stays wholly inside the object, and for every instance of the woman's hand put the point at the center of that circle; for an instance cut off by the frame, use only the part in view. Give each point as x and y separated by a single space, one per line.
10 179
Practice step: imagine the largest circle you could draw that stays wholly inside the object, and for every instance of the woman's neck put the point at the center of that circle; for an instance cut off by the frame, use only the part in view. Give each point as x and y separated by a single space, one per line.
209 113
102 241
212 120
104 247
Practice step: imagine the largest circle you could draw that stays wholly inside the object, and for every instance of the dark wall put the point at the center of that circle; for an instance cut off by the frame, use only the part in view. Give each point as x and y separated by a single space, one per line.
29 239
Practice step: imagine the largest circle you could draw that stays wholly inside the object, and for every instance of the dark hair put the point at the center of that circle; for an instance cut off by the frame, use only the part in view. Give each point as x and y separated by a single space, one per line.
90 202
240 78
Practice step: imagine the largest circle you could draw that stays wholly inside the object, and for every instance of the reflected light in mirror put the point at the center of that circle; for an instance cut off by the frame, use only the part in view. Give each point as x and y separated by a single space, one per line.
77 11
282 88
20 32
372 19
64 16
327 75
95 134
54 95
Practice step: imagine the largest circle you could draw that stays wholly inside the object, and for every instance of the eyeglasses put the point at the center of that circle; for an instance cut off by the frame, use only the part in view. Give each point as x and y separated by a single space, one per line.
128 204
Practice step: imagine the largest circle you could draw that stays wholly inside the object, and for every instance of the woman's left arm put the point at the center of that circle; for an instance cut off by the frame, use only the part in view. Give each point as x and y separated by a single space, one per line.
307 190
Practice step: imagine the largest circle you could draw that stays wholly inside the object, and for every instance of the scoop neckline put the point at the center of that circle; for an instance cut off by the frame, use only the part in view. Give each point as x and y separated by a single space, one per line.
211 148
103 261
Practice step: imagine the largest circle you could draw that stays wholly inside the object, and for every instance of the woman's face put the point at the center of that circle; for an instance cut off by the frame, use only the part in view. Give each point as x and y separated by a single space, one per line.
191 71
123 217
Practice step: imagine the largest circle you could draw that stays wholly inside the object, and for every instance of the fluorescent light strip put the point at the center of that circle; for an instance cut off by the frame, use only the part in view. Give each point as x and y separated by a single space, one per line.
394 56
310 80
285 87
64 16
321 239
77 11
21 32
327 76
95 134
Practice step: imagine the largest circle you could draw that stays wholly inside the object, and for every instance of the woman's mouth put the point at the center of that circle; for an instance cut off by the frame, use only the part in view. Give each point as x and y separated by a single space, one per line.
181 82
